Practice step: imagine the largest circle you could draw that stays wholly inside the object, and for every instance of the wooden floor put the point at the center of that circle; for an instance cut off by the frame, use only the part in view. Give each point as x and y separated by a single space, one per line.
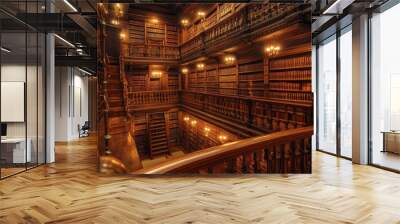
71 191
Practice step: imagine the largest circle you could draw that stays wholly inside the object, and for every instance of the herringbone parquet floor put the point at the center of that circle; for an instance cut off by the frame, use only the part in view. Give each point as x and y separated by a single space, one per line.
71 191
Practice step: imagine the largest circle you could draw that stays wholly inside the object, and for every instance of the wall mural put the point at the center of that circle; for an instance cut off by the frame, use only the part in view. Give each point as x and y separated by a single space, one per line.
204 88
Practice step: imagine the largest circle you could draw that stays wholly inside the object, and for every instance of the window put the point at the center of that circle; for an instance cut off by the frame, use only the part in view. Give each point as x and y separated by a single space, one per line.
327 96
385 87
346 92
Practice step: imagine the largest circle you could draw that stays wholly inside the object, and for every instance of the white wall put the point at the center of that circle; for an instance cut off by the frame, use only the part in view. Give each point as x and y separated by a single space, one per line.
71 102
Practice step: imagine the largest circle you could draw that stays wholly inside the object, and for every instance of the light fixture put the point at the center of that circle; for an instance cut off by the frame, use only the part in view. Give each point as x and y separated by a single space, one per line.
70 5
229 59
64 40
186 118
201 14
122 35
185 70
337 7
222 137
272 50
194 122
5 50
200 66
185 22
43 7
84 71
154 20
206 129
155 74
114 22
118 5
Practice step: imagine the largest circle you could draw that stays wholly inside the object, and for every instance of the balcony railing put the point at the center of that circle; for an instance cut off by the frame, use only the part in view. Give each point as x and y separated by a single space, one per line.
153 98
150 51
280 152
244 20
266 115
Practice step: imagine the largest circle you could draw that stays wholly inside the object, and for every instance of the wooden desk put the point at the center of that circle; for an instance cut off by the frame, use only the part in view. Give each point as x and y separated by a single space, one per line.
391 141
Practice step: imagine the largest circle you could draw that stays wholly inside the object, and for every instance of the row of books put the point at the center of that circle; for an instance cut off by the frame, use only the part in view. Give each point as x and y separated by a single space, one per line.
227 71
251 85
291 62
290 96
286 85
251 76
251 67
291 75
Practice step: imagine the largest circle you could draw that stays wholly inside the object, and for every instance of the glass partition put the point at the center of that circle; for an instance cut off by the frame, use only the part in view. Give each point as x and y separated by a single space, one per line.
22 89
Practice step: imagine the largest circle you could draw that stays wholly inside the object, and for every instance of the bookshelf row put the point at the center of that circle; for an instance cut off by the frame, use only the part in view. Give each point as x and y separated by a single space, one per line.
142 32
303 61
290 86
296 75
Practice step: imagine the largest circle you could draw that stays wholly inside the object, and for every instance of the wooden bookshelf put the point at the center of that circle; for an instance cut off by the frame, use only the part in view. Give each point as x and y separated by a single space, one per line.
227 79
289 77
212 79
173 126
251 77
136 77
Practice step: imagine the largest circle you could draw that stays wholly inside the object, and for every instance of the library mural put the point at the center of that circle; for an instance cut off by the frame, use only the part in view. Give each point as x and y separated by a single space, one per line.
204 88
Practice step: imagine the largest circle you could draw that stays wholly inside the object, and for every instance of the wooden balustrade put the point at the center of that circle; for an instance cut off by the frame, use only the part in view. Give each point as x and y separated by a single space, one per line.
150 51
242 21
266 115
153 97
280 152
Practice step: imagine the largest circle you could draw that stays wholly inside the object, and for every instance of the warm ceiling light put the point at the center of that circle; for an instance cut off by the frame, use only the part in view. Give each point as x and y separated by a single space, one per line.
194 122
122 35
185 70
185 22
207 129
200 66
154 20
201 13
118 5
229 59
186 118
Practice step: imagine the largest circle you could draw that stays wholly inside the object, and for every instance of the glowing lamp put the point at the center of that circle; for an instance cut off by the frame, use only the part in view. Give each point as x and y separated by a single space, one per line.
185 70
185 22
200 66
155 74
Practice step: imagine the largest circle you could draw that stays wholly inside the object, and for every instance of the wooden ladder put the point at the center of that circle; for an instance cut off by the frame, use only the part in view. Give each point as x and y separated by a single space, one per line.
158 135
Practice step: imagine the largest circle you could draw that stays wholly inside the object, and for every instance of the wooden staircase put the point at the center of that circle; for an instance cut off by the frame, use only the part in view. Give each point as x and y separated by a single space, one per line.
158 133
118 123
114 89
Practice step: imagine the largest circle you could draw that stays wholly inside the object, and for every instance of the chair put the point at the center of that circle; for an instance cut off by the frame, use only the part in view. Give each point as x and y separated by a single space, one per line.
84 130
